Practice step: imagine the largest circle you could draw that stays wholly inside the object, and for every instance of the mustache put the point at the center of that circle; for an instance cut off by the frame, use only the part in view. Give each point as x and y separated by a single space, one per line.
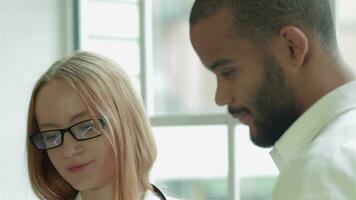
237 111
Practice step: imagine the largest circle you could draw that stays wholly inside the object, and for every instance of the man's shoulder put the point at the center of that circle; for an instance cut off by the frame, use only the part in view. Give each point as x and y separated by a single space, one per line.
325 168
319 176
341 127
336 140
335 149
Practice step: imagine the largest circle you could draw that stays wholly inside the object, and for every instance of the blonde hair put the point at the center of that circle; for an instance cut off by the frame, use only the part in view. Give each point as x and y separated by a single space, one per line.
105 90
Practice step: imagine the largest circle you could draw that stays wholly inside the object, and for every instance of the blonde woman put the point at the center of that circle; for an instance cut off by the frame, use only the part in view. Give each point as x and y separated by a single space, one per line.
89 137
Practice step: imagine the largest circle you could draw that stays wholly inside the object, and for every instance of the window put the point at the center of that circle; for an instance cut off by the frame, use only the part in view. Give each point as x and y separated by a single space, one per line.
255 168
182 85
346 29
203 153
103 29
192 161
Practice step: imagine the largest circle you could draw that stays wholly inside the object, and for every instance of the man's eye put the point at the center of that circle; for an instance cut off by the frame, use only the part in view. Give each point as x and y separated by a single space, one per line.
226 72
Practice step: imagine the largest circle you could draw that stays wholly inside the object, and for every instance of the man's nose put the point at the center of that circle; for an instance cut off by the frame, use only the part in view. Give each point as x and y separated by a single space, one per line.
223 96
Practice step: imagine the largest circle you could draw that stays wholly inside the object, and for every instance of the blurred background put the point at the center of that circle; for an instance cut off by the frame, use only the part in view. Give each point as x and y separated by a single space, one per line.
202 152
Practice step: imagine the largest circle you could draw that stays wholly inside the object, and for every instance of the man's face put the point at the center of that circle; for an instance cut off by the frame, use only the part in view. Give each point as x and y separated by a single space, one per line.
250 81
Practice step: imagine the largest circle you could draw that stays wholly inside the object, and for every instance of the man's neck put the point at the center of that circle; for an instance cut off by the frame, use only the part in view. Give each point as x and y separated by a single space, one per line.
325 76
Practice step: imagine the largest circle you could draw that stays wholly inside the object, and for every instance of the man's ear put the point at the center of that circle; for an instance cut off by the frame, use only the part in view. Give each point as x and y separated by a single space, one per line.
296 42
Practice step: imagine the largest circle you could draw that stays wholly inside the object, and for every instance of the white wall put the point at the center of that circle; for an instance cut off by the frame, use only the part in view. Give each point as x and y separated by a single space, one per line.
33 34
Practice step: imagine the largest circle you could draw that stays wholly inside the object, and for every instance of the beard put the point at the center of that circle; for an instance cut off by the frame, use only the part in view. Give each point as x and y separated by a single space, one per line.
275 106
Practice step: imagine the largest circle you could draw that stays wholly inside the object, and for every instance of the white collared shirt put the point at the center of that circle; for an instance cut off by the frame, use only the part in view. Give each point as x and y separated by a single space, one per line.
316 156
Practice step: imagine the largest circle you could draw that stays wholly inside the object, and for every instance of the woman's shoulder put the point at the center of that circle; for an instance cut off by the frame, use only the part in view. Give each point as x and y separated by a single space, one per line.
154 196
148 196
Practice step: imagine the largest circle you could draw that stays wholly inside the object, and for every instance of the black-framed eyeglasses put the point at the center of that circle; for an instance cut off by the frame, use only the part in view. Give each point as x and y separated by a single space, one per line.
50 139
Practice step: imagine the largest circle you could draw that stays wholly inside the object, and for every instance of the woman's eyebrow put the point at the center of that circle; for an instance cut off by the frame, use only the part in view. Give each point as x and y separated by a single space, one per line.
72 120
78 116
47 125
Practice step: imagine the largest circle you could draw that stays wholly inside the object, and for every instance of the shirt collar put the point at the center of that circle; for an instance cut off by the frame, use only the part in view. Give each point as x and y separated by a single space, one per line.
312 121
79 196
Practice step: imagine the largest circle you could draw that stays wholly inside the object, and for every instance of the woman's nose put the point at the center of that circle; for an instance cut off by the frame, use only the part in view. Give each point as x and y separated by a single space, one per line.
70 146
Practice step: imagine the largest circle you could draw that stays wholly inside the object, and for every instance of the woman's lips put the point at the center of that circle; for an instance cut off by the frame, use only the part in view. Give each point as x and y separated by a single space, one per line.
78 167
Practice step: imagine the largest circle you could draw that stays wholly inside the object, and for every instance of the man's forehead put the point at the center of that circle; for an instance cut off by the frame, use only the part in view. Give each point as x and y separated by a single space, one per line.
222 19
212 30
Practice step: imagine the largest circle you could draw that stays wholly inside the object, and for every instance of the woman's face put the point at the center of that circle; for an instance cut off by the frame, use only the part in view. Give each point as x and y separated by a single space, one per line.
86 165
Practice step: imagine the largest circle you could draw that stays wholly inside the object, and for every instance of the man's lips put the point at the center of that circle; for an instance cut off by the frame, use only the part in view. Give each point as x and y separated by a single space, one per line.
243 114
78 166
245 118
